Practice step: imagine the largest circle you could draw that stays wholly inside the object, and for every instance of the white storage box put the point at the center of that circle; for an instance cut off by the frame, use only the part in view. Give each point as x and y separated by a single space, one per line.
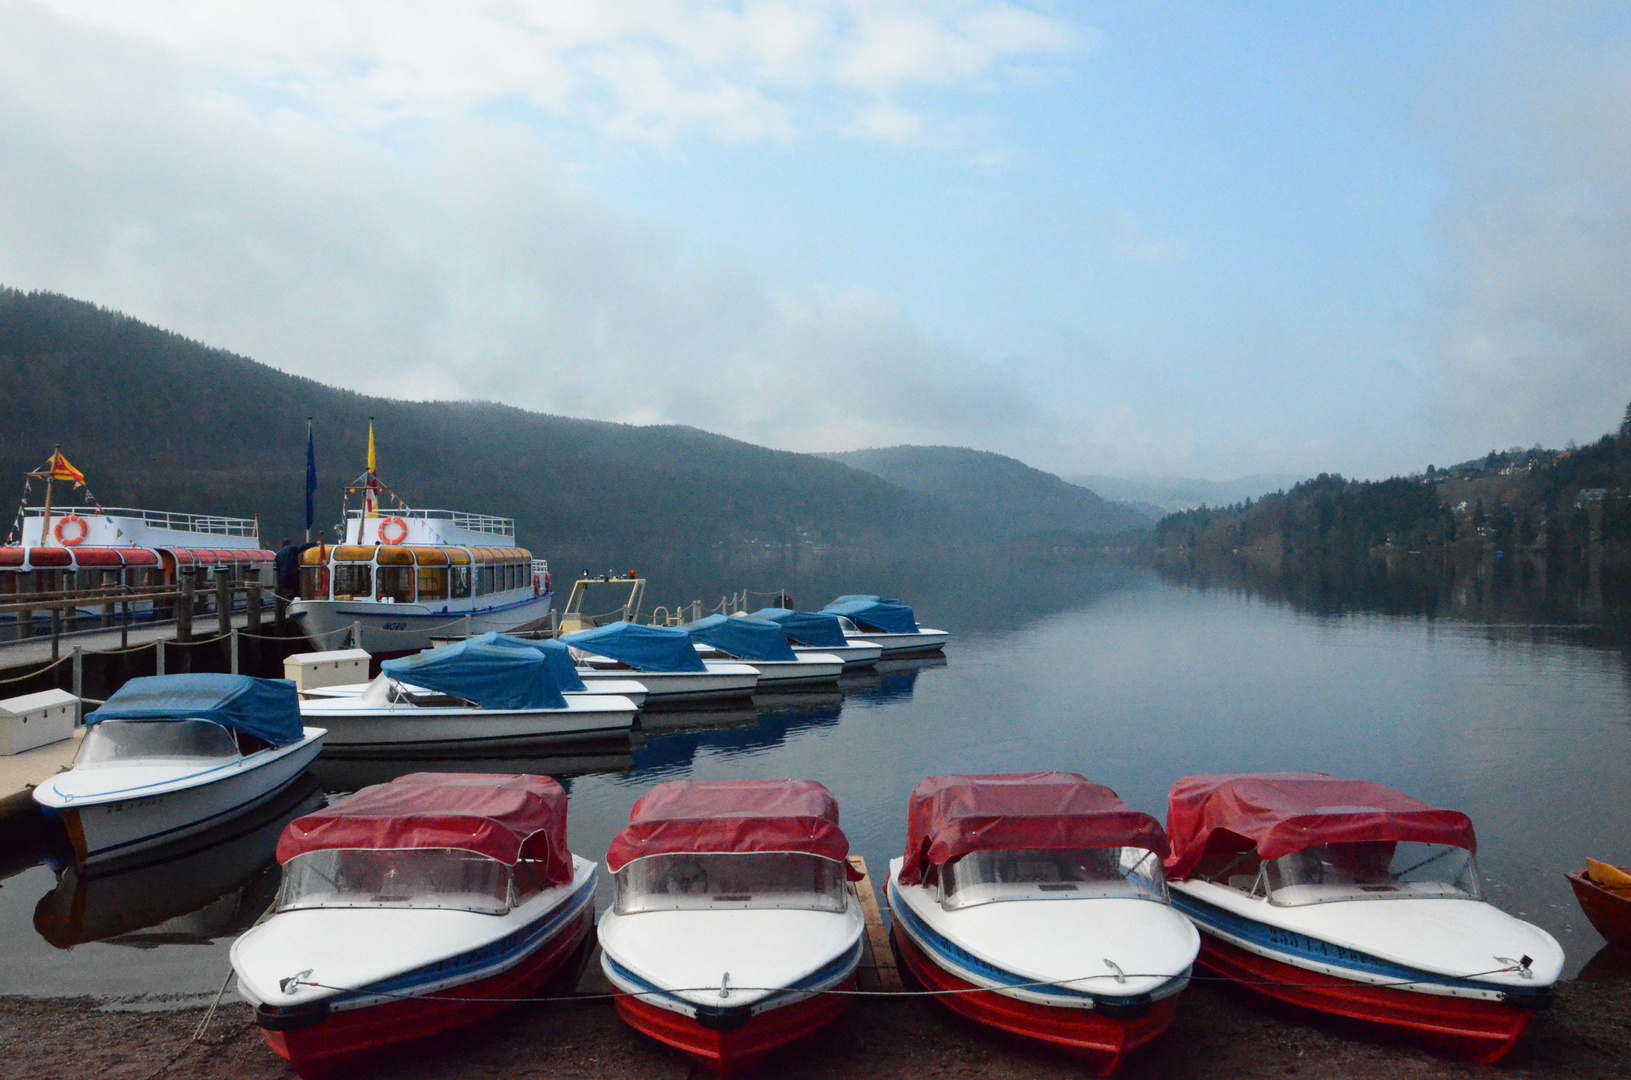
338 668
37 720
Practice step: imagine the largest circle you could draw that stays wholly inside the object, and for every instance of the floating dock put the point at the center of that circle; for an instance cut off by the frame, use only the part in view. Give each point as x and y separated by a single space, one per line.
19 773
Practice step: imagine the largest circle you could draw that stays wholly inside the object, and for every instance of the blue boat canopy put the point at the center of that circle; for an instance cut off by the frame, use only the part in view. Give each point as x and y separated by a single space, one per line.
268 709
492 676
818 628
746 638
874 613
644 648
558 656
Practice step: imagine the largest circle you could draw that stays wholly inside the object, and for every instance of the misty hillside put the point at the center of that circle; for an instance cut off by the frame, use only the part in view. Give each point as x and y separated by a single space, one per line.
1158 496
993 494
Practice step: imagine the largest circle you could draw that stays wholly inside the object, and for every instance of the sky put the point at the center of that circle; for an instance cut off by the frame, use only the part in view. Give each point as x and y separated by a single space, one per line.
1135 238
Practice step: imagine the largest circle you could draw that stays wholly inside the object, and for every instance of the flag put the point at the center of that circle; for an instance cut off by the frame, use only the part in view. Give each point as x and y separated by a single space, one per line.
370 448
370 495
60 470
311 480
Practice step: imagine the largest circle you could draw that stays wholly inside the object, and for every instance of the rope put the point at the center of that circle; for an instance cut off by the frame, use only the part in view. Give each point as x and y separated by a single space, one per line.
39 671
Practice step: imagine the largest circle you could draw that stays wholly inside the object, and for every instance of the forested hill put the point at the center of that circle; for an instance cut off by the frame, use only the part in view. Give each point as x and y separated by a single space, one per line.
993 494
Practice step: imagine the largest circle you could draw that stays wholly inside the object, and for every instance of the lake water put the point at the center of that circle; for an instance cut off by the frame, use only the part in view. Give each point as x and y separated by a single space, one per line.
1527 729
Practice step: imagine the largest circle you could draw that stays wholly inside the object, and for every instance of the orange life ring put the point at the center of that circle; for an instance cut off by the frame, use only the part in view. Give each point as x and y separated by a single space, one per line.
547 586
535 589
78 538
402 534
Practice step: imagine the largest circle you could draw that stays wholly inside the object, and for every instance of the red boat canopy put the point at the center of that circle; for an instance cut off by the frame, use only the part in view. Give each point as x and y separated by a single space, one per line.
731 816
508 818
950 816
1283 813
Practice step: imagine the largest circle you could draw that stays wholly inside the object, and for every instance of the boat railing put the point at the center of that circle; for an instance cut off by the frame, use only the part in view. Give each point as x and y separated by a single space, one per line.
160 519
481 523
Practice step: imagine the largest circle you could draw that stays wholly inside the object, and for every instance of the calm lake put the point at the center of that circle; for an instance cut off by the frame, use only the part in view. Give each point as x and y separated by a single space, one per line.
1527 729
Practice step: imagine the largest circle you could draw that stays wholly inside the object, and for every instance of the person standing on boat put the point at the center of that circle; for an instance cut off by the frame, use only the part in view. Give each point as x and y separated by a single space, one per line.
287 563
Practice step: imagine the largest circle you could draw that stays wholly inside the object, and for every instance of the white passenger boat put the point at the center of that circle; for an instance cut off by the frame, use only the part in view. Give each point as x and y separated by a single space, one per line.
888 624
762 646
484 697
738 887
817 632
413 908
1046 890
400 576
1351 898
664 660
169 757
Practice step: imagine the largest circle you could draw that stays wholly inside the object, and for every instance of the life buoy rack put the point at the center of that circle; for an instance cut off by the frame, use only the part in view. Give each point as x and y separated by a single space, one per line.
396 523
80 530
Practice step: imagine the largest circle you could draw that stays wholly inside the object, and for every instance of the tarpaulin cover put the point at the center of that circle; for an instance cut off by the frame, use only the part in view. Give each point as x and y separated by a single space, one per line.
690 816
881 616
1282 813
818 628
268 709
745 638
644 648
508 818
557 655
493 676
950 816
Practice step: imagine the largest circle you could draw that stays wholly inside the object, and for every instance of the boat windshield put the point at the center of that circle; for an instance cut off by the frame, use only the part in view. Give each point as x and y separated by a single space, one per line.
774 879
123 742
984 877
1371 870
445 878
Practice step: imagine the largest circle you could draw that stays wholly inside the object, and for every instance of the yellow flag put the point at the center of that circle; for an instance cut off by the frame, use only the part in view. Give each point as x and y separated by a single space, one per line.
370 446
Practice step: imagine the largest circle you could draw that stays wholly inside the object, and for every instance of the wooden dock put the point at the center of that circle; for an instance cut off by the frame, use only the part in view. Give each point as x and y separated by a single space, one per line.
19 773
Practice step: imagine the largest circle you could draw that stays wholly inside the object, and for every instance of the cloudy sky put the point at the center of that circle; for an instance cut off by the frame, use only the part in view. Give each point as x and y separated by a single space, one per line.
1136 237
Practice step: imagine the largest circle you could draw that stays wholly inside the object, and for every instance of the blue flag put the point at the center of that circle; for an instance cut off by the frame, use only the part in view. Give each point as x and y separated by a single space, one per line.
311 480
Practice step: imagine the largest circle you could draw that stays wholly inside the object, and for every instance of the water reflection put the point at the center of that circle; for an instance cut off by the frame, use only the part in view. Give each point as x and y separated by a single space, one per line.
674 752
889 680
352 774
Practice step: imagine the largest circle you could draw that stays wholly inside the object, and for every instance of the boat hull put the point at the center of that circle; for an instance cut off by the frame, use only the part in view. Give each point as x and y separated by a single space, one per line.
1103 1042
730 1053
343 1037
856 655
1609 912
414 731
404 628
670 689
898 646
811 671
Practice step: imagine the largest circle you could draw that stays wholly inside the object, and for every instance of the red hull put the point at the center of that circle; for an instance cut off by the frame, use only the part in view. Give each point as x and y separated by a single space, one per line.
343 1037
1481 1030
732 1052
1103 1042
1609 912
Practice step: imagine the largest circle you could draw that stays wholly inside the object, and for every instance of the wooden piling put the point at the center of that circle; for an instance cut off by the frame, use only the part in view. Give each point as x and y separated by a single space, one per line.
223 601
877 958
184 604
252 600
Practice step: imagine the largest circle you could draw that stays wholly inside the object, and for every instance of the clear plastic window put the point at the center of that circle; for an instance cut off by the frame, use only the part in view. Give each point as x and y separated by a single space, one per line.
396 584
775 879
433 583
409 877
121 742
351 580
1372 870
312 582
461 582
983 877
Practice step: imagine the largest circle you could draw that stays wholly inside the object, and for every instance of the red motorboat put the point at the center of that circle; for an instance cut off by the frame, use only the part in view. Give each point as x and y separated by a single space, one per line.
1351 898
1047 892
1604 893
732 917
412 908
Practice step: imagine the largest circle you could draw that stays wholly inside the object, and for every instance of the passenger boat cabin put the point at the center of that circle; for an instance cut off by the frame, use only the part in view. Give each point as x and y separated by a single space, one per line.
392 574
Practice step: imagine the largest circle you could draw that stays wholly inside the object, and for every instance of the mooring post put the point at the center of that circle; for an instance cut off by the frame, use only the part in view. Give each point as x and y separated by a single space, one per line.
223 601
252 599
356 635
108 577
79 681
56 634
232 643
158 657
184 605
124 610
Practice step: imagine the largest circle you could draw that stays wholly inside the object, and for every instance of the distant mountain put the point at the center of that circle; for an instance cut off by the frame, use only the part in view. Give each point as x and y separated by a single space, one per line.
993 494
1158 496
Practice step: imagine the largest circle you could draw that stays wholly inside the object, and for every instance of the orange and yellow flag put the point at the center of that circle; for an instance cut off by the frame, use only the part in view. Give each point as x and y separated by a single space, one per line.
59 469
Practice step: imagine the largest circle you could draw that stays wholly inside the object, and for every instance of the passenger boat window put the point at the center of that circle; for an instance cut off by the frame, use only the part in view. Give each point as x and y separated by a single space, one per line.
1372 870
485 578
396 583
433 583
405 877
776 879
983 877
460 582
353 580
119 742
311 583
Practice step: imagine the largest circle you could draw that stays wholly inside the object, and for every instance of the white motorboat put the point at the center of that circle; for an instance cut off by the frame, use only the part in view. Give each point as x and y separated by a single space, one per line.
413 908
818 632
663 659
1048 891
171 756
731 914
888 624
1351 898
483 697
762 645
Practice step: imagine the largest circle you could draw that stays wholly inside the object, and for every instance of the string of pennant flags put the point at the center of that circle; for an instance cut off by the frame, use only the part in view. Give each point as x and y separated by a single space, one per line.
55 469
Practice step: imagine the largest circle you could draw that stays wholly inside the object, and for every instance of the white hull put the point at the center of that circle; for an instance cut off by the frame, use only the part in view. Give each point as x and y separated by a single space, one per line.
720 682
356 730
629 688
403 628
856 655
809 671
895 646
111 811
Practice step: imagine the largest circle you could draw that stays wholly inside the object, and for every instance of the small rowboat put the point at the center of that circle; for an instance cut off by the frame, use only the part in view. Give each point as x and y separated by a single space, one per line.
665 661
889 624
1604 893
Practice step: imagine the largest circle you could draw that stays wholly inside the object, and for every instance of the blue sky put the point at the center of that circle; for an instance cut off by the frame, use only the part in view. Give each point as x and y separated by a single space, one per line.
1158 238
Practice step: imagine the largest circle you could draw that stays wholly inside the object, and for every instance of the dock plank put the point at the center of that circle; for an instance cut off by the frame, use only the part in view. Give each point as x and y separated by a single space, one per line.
19 773
881 956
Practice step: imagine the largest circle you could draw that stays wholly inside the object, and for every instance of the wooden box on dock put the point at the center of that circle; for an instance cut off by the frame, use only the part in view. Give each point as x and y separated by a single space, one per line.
37 720
340 667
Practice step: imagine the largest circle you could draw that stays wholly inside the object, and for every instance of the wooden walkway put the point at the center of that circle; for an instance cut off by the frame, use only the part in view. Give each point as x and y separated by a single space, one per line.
19 773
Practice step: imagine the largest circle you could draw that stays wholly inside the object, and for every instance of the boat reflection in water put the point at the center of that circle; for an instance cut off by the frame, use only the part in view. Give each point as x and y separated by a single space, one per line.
353 775
889 680
673 751
215 886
